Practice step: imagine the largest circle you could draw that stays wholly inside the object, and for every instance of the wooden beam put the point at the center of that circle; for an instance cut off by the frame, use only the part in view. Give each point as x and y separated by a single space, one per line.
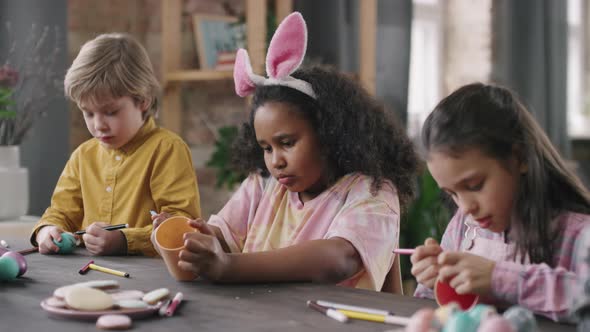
283 8
256 33
368 44
171 112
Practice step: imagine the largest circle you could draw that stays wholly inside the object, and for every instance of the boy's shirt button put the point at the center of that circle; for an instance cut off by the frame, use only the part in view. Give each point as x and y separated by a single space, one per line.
117 158
109 189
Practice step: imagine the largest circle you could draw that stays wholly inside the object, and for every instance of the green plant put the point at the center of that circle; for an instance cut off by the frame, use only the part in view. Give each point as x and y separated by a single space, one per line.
221 158
29 80
426 217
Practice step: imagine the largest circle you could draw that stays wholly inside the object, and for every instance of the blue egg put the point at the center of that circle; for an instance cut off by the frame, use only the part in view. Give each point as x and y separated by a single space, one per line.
460 322
521 319
67 244
8 268
481 312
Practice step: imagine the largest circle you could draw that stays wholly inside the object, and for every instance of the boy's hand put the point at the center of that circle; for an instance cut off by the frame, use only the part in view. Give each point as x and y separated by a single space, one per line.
467 273
45 238
203 254
102 242
424 262
157 219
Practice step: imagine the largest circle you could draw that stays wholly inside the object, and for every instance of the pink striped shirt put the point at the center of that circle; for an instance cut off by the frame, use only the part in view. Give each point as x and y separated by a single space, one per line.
543 289
263 215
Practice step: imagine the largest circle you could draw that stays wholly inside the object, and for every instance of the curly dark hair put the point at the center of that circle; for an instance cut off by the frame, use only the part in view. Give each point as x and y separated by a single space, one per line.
355 131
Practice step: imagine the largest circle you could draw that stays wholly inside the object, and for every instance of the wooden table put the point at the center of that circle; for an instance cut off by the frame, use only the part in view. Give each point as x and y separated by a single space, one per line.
207 307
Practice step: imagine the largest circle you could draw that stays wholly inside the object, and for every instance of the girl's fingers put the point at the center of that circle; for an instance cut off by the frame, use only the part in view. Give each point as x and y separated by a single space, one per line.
199 245
430 242
448 272
202 226
420 266
191 257
450 258
55 234
427 276
185 266
425 251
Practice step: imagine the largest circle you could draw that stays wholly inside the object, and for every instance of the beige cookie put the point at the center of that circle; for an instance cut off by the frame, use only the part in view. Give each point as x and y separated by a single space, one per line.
88 299
131 304
55 302
113 322
99 284
154 296
127 295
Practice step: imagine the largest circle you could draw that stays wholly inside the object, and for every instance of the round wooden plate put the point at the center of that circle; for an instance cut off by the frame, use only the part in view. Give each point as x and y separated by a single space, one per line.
93 315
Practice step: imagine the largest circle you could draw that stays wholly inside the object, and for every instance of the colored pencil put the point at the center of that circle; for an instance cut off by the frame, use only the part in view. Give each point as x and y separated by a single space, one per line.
106 228
328 312
404 251
353 308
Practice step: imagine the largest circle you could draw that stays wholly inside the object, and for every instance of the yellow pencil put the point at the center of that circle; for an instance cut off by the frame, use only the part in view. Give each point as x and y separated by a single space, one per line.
107 270
388 319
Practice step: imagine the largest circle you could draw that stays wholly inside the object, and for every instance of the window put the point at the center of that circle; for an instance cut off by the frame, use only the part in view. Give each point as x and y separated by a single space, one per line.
578 107
425 63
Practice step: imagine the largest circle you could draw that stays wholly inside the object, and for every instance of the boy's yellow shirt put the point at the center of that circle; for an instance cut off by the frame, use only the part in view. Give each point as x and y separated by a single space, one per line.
154 171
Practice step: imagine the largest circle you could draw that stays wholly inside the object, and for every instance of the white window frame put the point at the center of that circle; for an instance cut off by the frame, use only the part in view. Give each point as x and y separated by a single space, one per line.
578 106
426 62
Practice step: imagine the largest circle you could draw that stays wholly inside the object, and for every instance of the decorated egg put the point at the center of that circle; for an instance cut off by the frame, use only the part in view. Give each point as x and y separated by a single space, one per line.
494 324
482 312
460 322
444 293
422 321
20 260
8 268
443 313
521 319
67 244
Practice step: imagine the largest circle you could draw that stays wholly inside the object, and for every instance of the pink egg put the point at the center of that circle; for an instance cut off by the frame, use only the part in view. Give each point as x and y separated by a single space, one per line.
421 320
20 260
495 323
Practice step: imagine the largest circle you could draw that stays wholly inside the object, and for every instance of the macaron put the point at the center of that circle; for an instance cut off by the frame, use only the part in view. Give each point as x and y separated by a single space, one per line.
114 322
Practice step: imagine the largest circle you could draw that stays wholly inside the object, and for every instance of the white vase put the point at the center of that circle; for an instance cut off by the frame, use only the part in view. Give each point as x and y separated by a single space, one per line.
14 184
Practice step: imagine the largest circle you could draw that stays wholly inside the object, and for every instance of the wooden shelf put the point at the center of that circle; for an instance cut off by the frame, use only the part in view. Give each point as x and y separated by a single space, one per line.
197 75
256 11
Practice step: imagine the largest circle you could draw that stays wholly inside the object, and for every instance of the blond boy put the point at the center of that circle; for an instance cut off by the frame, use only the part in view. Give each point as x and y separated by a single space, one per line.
129 167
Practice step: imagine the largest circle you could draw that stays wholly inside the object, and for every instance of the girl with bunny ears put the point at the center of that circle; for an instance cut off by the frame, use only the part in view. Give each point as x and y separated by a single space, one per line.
329 170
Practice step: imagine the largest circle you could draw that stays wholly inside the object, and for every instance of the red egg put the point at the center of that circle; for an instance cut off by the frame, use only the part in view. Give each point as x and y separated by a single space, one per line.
444 293
20 260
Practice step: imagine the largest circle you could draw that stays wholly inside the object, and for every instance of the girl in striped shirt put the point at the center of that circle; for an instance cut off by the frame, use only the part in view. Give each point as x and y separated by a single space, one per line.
520 208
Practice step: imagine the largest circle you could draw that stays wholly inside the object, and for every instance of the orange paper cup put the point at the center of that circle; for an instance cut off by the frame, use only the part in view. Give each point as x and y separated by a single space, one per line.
169 239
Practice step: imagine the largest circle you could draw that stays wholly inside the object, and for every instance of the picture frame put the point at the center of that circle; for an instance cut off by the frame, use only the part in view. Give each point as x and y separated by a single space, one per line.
217 39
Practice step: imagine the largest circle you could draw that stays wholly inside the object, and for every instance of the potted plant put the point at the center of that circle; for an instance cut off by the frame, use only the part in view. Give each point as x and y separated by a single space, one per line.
426 217
221 158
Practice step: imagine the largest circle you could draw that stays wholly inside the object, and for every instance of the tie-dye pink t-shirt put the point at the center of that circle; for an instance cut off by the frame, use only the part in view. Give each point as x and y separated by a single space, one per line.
263 215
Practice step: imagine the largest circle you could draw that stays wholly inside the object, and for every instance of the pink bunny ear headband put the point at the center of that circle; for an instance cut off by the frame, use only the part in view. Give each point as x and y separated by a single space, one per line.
285 54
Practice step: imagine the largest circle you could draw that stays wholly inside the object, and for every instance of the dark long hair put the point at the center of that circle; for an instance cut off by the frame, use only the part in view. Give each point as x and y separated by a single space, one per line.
492 119
355 132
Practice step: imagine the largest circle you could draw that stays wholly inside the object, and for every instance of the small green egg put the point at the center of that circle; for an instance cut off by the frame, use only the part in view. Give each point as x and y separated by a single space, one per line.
67 244
8 268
